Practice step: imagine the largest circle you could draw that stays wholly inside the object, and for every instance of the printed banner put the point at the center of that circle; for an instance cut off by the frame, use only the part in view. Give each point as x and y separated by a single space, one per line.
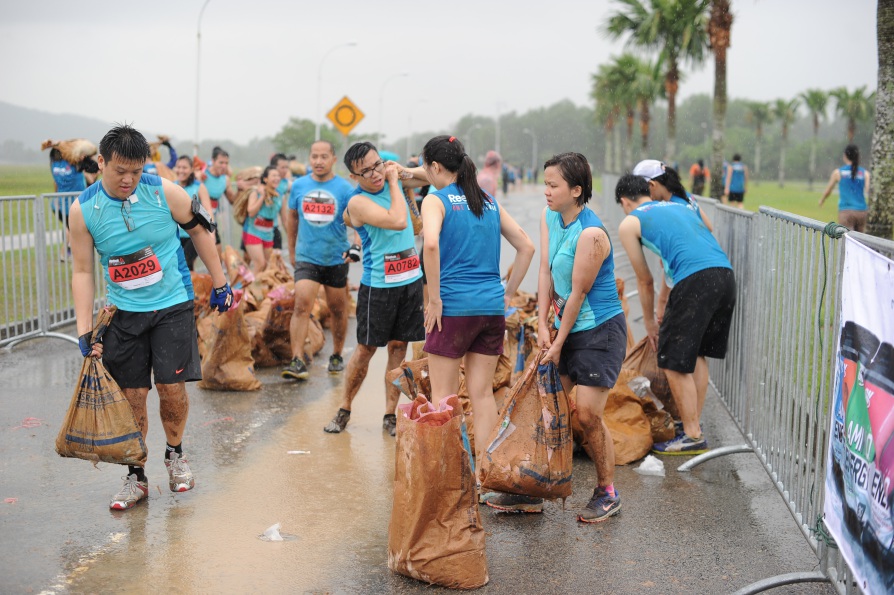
859 505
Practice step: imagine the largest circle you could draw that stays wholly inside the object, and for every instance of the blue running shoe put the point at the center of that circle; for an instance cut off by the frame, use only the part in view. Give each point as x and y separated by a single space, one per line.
601 506
682 445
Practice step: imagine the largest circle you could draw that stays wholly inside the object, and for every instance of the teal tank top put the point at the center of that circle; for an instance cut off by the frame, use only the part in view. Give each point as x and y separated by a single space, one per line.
601 302
262 224
138 247
216 186
389 256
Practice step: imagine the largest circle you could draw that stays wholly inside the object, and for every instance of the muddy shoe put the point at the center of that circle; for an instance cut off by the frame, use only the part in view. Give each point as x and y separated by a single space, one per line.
682 445
338 422
336 363
515 503
180 477
601 507
389 424
296 369
132 492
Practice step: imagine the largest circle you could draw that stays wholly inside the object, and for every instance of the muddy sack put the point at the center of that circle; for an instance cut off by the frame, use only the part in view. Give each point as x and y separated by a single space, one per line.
411 378
227 363
530 450
643 359
435 534
100 425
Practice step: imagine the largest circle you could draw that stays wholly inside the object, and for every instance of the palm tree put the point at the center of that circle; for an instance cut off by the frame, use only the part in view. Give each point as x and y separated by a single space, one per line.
647 88
881 198
786 111
623 72
815 100
606 110
719 28
856 107
759 113
677 29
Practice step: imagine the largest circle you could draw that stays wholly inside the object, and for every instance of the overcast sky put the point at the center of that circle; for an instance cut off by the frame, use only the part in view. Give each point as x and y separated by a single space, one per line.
136 61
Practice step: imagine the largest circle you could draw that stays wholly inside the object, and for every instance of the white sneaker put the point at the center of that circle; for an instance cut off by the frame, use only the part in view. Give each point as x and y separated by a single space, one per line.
132 492
179 474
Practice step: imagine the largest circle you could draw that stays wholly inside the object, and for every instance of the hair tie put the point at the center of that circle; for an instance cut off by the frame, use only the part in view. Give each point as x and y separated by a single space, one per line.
451 139
465 155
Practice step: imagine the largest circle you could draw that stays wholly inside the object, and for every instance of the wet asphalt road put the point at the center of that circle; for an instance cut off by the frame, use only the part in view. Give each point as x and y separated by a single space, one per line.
711 531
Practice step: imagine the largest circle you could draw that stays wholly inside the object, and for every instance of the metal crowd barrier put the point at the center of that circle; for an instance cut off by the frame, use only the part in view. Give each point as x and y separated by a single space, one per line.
35 268
776 380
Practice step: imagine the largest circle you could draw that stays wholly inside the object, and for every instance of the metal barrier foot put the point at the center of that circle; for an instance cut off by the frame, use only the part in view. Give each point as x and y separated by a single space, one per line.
42 336
713 454
781 580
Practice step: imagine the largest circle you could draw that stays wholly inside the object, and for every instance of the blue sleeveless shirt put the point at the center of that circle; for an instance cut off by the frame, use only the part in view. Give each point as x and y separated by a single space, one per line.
684 244
851 192
216 186
138 247
389 256
262 224
470 257
737 181
601 302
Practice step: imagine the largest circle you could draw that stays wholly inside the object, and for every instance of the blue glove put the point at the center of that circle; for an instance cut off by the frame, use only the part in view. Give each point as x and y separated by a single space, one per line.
222 298
84 343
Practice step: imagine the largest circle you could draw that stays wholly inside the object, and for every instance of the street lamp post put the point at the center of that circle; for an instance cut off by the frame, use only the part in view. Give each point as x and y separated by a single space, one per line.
320 86
382 102
195 147
410 125
533 149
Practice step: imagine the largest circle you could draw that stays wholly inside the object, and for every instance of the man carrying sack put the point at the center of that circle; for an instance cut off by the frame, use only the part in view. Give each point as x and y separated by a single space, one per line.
131 219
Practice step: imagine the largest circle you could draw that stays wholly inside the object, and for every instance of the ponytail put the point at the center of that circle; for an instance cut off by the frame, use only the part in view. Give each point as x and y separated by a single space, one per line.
670 179
852 152
450 153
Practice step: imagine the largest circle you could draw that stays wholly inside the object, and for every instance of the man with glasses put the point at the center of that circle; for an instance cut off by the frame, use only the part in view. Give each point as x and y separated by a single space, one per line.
131 219
389 302
316 224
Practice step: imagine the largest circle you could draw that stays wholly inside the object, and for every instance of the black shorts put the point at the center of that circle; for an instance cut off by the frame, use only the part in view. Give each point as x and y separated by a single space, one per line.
163 343
697 319
189 251
390 314
594 357
737 197
277 238
334 276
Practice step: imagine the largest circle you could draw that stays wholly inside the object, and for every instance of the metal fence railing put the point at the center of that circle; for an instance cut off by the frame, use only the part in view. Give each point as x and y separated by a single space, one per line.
776 380
35 268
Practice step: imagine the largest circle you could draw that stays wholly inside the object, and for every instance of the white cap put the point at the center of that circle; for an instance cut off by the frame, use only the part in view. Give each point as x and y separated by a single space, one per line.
649 169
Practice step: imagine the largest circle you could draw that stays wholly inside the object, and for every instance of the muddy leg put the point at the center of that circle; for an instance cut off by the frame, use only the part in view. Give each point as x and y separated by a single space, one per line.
174 409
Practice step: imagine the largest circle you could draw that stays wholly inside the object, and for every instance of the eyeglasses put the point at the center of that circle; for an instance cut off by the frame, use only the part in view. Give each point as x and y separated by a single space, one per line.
125 214
368 172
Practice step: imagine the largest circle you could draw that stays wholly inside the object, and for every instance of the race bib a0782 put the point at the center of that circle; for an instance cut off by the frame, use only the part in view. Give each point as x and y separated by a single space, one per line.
401 266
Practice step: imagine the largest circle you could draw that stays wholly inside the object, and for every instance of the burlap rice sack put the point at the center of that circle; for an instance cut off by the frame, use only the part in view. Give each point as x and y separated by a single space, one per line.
227 364
435 534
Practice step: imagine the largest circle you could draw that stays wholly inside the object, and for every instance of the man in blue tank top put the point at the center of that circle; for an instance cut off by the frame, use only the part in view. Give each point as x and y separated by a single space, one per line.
698 316
389 302
316 224
131 220
736 181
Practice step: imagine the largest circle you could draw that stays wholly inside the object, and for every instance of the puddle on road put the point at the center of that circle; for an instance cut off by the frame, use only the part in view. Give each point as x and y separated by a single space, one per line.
335 502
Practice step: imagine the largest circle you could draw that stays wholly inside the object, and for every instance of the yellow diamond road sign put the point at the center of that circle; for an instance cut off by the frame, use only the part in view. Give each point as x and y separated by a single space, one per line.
345 115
